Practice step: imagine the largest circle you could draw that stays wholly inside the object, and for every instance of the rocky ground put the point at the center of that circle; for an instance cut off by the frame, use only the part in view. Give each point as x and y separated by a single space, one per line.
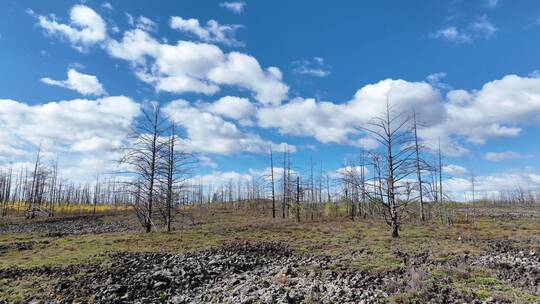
227 263
261 272
67 226
518 267
500 211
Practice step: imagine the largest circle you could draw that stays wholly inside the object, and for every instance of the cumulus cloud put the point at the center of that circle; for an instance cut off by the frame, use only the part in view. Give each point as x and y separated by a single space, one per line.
212 32
184 67
307 117
480 28
232 107
108 6
491 186
498 109
314 67
86 27
454 169
196 67
330 122
436 80
235 7
82 133
206 161
500 156
82 83
343 172
142 22
216 179
452 34
210 133
495 110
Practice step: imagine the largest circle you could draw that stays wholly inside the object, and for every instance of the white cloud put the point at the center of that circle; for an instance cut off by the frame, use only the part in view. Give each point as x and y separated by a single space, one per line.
498 109
483 28
197 67
82 83
210 133
108 6
535 74
235 7
206 161
146 24
436 80
495 110
500 156
142 22
73 125
177 68
348 170
454 169
314 67
86 27
339 123
212 32
306 117
480 28
492 186
82 133
232 107
217 178
245 71
452 34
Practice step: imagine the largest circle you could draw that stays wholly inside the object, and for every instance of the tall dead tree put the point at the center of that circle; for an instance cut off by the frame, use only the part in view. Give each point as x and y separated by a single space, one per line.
418 168
393 132
440 174
285 184
363 181
177 165
37 188
298 198
273 185
311 188
141 157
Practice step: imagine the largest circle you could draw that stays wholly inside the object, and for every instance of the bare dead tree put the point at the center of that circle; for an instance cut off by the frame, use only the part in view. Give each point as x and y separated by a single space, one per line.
298 198
37 188
393 132
141 156
273 185
440 173
418 168
285 185
311 187
177 169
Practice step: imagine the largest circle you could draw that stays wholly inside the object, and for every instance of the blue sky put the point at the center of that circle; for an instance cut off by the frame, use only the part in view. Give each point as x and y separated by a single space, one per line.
306 73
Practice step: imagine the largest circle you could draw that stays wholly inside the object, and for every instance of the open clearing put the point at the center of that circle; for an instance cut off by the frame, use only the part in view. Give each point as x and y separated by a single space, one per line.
219 255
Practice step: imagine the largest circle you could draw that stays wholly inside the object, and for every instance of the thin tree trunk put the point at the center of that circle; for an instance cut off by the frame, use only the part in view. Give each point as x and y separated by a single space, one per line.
418 171
273 186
